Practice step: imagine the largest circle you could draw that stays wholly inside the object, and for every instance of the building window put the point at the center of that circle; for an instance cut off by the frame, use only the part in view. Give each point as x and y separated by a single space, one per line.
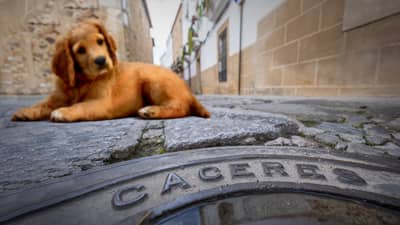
222 56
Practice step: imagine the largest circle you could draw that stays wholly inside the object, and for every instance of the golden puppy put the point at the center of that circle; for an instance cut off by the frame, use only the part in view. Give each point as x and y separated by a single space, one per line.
92 85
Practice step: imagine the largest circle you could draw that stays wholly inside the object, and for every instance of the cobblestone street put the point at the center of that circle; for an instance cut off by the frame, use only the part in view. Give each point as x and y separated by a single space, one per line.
35 152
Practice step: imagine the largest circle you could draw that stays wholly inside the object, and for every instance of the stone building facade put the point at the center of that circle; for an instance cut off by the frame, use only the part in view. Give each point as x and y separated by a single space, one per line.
302 49
29 29
174 45
176 34
297 47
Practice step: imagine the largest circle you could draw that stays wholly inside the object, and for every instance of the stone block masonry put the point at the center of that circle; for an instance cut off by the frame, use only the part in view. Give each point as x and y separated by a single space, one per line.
29 29
314 57
301 49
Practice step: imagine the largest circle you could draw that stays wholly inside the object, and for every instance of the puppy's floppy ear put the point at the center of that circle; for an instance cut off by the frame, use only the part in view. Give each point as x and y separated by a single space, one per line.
63 63
112 46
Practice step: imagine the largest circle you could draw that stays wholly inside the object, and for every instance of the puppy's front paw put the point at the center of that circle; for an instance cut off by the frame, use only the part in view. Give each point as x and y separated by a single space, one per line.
20 115
60 115
147 112
26 114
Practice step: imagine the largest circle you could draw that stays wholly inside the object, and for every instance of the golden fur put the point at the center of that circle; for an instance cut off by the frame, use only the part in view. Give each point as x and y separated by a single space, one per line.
92 85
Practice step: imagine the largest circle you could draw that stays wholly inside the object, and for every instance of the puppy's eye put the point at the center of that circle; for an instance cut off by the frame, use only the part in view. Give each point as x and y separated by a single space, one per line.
81 50
100 41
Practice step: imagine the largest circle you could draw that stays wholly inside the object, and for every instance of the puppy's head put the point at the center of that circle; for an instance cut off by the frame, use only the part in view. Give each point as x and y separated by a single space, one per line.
85 52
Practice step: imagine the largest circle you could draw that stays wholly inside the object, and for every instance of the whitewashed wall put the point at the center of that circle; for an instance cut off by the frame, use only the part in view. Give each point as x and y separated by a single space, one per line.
166 59
253 12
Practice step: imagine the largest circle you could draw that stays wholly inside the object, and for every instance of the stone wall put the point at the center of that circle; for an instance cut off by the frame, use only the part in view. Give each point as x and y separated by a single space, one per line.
209 78
28 30
177 35
137 34
302 50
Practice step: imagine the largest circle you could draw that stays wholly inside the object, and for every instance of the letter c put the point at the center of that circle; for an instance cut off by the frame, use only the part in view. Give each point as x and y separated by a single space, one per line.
118 202
210 173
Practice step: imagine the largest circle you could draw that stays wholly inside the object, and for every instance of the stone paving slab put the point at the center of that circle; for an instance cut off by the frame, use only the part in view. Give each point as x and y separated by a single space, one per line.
32 152
227 127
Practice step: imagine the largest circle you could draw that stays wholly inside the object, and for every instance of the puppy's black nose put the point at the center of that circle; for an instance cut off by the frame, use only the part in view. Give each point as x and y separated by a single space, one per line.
101 60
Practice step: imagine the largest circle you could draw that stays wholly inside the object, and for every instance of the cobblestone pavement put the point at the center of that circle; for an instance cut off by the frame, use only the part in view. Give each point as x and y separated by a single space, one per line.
34 152
368 126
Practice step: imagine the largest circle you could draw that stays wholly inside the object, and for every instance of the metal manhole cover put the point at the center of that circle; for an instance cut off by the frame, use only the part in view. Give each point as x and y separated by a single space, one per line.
281 209
227 185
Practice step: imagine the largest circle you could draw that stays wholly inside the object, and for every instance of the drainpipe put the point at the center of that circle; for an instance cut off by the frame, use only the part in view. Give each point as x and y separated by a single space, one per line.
199 72
190 75
240 46
190 72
